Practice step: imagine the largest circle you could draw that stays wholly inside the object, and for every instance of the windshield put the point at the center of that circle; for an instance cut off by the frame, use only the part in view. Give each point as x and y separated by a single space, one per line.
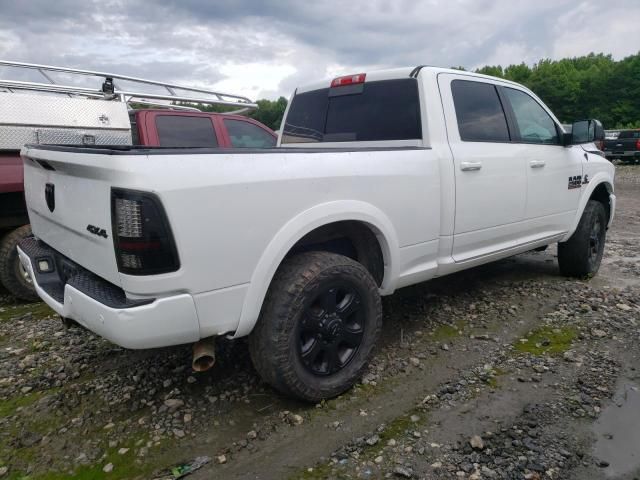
379 110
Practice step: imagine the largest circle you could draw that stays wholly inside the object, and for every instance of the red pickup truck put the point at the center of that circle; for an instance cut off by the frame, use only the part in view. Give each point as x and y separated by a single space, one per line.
151 127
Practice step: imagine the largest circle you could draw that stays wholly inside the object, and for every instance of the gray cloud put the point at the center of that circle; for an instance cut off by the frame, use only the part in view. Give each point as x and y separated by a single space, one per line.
266 48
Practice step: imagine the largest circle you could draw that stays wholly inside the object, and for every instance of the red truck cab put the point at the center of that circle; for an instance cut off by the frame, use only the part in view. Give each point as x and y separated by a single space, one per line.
171 128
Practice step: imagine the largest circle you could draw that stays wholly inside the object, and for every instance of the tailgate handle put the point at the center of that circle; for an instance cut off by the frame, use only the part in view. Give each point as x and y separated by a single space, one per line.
470 166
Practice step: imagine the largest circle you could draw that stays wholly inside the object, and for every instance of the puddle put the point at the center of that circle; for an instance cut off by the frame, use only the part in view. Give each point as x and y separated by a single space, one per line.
618 432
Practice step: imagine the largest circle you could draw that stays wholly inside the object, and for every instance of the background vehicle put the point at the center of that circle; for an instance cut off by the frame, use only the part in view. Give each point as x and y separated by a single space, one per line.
386 179
626 147
77 115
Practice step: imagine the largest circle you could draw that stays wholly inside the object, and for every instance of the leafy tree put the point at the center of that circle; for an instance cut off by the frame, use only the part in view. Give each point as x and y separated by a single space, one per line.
269 112
591 86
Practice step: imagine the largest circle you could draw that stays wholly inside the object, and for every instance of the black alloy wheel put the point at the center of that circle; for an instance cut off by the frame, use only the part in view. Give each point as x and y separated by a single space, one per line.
331 329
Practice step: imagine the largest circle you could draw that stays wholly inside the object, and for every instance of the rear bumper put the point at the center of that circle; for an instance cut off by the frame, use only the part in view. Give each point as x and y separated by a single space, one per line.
625 154
103 308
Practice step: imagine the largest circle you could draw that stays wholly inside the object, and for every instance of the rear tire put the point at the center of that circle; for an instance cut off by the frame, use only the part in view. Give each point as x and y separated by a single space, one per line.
318 327
581 255
12 275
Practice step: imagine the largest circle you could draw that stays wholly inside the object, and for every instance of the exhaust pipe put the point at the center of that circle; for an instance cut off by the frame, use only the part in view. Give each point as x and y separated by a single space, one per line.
204 354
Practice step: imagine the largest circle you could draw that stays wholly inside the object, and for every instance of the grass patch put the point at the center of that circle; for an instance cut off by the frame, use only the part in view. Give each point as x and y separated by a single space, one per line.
125 466
445 332
319 472
8 407
38 311
547 340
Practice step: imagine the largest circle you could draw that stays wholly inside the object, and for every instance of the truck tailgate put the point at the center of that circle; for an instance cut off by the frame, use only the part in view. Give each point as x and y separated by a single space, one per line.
69 204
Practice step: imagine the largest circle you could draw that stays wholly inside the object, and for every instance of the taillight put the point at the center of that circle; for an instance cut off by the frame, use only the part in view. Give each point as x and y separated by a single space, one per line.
348 80
141 234
638 144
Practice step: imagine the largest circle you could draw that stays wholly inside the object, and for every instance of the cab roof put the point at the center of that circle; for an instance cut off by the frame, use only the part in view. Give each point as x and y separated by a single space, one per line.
395 73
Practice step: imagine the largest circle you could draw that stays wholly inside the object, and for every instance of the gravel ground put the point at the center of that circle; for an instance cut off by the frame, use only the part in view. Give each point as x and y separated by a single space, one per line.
507 371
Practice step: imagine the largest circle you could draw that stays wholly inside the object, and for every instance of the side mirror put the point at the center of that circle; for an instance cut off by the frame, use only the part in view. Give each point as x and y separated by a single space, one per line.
585 131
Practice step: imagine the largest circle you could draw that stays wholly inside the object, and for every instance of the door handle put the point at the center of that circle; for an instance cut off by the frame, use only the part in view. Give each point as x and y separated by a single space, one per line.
537 163
470 166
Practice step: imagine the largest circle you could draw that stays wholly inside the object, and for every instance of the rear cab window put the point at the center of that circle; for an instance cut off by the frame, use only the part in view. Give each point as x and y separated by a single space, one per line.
182 131
371 111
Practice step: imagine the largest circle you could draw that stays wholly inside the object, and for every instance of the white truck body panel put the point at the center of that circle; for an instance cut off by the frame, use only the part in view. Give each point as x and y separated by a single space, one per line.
236 215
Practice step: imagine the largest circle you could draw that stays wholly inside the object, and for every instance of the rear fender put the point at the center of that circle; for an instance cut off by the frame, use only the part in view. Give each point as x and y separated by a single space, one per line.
297 228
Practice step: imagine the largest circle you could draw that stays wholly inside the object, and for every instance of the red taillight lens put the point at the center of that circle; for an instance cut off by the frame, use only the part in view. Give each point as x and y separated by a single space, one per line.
141 234
638 144
348 80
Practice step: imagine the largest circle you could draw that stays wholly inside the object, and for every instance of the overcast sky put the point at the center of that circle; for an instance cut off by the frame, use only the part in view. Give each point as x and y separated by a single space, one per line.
264 49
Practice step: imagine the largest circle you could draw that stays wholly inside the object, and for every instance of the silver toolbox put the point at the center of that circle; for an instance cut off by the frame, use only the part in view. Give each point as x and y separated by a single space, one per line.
37 118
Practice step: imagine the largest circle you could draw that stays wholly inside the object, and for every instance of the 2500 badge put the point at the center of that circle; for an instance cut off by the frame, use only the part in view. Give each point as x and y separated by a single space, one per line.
576 181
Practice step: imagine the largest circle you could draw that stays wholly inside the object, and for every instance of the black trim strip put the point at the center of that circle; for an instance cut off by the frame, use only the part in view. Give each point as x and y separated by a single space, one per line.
142 150
414 73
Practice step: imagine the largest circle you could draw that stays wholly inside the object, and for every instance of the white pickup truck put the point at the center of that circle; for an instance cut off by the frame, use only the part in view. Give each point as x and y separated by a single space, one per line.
382 180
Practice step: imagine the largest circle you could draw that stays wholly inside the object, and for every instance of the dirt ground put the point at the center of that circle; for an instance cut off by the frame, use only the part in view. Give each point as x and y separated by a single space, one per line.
507 371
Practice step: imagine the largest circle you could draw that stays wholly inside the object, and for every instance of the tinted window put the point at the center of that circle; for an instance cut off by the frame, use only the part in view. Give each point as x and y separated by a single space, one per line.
479 112
533 122
380 110
247 135
629 134
185 131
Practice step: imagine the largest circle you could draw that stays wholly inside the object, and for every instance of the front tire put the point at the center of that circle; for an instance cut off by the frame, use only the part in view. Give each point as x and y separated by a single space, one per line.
318 327
580 256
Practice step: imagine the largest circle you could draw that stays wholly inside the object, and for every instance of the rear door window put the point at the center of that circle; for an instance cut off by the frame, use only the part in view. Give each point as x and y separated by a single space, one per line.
373 111
185 131
479 112
247 135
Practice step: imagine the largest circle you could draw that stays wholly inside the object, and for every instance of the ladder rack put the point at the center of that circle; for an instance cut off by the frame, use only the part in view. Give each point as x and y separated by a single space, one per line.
110 89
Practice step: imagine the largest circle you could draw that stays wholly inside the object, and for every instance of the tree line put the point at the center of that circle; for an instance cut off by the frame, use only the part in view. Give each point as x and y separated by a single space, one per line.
591 86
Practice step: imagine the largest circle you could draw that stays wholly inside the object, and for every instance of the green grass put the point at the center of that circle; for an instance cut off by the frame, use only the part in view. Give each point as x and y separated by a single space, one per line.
38 311
124 466
547 341
445 332
8 407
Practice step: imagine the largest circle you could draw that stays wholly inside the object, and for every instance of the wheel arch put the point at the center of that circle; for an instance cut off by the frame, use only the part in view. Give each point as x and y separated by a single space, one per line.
600 188
301 226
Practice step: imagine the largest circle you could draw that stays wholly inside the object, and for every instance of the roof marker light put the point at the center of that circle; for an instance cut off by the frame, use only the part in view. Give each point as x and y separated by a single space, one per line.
348 80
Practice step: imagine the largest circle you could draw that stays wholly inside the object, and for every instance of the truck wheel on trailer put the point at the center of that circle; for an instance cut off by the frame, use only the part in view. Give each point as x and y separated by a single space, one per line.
12 275
318 326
